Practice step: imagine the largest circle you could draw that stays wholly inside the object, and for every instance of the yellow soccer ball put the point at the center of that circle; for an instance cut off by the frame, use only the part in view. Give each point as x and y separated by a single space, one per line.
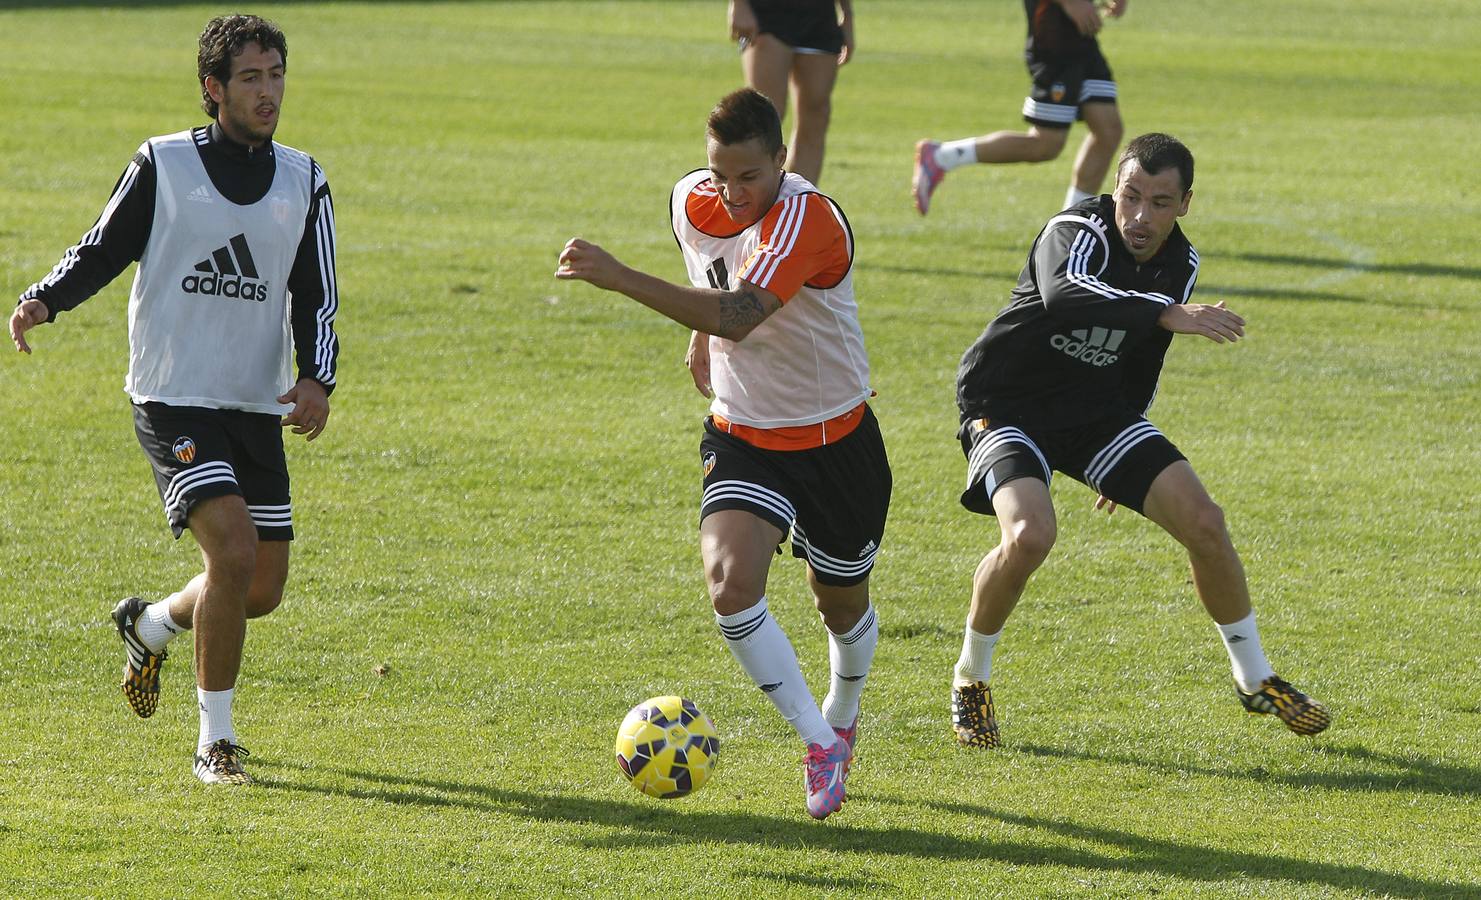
667 748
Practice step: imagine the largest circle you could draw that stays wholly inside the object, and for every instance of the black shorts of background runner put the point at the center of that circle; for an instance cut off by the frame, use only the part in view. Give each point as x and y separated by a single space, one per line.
1118 456
1062 84
808 26
833 498
198 453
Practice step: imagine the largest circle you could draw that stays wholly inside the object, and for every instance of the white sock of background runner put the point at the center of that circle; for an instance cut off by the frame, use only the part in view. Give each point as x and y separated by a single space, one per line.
849 657
156 627
1246 656
759 645
215 717
975 663
1075 195
954 154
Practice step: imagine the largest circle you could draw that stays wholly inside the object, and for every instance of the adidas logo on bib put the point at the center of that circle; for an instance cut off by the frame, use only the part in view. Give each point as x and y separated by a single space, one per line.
228 272
1096 346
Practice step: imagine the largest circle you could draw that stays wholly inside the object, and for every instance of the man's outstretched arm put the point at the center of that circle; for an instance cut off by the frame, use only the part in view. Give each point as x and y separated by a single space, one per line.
730 314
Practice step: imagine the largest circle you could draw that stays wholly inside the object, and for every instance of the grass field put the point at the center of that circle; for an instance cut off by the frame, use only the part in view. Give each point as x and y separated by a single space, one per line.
503 510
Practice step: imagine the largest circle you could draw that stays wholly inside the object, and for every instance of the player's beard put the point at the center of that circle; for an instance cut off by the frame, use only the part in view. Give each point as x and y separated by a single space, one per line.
244 125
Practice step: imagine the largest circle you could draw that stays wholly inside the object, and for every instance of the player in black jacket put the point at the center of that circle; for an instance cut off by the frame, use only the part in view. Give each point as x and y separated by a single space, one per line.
1061 380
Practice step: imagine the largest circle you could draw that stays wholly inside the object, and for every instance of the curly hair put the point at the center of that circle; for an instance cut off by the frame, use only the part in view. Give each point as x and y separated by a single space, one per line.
223 38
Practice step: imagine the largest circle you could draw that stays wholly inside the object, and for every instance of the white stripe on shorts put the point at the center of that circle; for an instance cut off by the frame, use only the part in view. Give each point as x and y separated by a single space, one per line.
760 496
822 562
1112 453
190 479
1000 436
1049 112
1097 88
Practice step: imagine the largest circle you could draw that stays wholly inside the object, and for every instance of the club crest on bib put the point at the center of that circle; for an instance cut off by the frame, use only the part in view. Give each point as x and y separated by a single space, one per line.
709 463
184 450
282 209
1056 93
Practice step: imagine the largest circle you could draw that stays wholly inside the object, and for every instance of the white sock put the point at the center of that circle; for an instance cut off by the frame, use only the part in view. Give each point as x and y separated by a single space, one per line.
759 645
953 154
1246 656
156 627
1075 195
975 663
850 656
215 717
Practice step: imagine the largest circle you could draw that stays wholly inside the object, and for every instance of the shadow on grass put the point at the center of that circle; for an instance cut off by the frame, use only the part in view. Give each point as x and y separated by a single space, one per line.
1423 270
1415 775
658 826
1205 292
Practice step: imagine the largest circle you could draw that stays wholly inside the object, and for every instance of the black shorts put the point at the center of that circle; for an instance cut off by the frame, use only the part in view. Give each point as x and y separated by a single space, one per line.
1118 456
832 498
1063 84
198 453
807 26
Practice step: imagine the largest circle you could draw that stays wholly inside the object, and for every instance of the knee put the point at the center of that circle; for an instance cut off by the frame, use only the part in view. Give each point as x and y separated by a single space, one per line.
1048 146
234 561
732 595
1110 131
813 113
1027 543
1206 531
263 599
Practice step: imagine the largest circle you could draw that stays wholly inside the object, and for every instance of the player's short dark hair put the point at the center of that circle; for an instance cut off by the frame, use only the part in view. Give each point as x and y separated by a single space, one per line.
743 115
223 38
1156 151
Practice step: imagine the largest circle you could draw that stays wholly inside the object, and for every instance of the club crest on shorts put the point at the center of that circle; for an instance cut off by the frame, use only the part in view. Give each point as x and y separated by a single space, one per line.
709 463
1056 93
184 450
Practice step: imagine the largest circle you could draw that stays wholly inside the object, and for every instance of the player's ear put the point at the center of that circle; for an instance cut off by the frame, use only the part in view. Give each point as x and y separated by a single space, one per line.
215 89
1187 198
781 157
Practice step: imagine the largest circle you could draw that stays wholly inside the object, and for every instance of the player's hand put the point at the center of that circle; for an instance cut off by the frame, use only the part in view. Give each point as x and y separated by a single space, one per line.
1214 322
1115 8
742 21
847 53
585 261
1084 14
1107 504
697 361
26 316
310 408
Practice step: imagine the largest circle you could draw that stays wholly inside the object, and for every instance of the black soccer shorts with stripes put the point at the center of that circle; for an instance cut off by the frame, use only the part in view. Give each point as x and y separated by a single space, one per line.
1118 456
833 499
197 453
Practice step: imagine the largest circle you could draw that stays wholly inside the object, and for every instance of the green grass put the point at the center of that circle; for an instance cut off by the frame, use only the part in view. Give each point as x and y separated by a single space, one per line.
504 508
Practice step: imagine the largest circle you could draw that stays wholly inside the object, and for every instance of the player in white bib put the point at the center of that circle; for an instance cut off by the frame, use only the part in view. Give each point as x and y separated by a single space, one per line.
234 236
791 444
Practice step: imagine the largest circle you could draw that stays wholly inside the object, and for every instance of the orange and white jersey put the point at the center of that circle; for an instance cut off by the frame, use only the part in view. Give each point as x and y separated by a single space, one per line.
806 363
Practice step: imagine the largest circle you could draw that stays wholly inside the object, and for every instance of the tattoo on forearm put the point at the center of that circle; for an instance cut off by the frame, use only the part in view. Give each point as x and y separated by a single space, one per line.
742 310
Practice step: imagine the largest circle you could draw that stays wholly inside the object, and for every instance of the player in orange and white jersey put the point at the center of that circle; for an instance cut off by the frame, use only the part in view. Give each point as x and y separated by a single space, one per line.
791 444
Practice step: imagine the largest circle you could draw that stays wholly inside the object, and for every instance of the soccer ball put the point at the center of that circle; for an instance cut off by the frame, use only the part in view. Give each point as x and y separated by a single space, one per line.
667 748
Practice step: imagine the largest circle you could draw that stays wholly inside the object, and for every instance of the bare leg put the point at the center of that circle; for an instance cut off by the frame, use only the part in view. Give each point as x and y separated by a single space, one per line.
1099 147
737 547
269 577
1178 502
813 76
767 63
1036 145
228 541
1026 520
